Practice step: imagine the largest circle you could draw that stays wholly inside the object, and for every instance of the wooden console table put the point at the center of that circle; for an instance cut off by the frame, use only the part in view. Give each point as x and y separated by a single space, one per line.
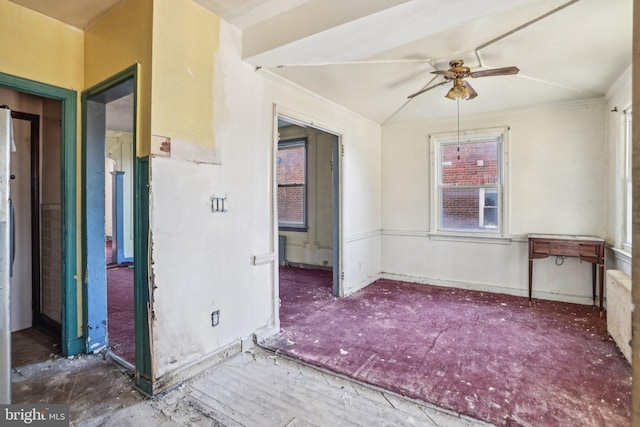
587 248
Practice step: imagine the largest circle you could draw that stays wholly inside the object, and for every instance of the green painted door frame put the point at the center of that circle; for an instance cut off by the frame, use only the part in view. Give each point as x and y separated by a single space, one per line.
143 368
72 339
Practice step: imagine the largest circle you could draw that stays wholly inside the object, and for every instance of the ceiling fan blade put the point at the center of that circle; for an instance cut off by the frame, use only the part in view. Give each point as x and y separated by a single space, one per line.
420 92
495 72
469 90
446 73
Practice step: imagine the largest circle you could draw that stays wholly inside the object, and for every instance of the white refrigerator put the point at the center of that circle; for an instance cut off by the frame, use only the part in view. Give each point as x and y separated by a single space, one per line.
5 256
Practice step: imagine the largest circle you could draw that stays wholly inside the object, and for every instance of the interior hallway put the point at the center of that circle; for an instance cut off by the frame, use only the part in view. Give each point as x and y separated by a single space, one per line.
486 355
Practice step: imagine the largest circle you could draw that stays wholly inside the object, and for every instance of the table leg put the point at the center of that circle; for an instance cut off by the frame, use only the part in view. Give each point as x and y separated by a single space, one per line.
601 268
530 278
593 277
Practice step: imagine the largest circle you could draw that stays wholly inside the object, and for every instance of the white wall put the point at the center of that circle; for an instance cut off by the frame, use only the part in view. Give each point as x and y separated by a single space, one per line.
109 166
119 148
557 173
204 261
315 245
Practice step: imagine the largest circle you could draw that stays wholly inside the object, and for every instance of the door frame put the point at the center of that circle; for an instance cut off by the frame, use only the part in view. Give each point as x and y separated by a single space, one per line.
143 367
72 339
337 185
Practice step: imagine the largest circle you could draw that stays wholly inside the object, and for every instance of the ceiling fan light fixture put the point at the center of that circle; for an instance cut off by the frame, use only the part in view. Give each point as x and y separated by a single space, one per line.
459 91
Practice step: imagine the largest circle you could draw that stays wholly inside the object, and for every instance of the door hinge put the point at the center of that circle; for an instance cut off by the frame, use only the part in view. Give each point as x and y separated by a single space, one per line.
342 275
342 150
331 163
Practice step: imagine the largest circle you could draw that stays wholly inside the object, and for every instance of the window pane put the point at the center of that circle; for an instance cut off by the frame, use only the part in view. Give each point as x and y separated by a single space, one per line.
291 175
291 205
491 198
460 208
291 163
478 164
490 217
490 209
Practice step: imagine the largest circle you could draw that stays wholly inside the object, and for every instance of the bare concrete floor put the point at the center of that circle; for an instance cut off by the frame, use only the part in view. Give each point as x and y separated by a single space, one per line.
255 388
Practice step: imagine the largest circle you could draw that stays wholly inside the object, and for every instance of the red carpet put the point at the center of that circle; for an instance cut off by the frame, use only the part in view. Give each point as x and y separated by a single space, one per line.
120 309
485 355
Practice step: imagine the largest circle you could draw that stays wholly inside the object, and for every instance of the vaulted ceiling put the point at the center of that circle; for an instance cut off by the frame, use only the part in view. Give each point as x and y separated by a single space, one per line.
369 55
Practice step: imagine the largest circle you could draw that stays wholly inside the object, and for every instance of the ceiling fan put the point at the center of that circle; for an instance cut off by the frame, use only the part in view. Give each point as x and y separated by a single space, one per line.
457 73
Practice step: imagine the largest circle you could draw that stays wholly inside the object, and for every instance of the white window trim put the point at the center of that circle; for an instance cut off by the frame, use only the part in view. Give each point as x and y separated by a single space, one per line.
627 150
501 133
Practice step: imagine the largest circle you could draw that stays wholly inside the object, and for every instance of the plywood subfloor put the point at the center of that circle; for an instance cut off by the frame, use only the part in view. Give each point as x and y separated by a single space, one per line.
263 389
256 388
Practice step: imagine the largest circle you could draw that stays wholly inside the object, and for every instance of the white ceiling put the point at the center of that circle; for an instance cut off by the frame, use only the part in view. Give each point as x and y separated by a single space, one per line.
77 13
368 55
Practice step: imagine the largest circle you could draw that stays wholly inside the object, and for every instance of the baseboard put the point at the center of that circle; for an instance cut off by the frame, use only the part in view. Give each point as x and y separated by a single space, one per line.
264 334
483 287
308 266
178 376
119 361
363 284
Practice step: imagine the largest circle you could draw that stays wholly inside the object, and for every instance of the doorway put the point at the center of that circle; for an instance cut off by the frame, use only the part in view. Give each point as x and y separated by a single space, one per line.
108 230
63 127
35 192
308 210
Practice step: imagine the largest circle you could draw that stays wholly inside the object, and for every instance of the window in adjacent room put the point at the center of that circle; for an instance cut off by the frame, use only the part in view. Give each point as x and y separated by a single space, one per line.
291 180
469 190
627 217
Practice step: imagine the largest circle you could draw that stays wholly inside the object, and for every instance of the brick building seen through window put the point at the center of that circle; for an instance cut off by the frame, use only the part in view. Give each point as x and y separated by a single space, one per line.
469 186
291 180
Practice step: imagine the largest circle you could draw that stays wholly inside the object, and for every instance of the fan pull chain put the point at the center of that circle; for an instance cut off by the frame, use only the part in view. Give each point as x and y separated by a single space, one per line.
458 105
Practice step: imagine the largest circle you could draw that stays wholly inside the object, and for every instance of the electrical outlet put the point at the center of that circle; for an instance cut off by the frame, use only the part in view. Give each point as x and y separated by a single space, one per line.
215 318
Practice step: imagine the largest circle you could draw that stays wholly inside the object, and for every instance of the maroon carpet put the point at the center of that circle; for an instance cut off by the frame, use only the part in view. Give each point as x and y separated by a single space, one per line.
489 356
120 309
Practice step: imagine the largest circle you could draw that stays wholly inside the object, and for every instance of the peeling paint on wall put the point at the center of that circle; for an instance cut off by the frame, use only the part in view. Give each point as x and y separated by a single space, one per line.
160 146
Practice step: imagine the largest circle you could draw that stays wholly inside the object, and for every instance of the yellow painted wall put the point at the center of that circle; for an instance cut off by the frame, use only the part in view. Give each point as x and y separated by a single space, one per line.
39 48
118 40
42 49
185 40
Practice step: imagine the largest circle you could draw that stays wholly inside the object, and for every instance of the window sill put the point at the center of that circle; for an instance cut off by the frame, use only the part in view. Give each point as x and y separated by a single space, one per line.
298 229
622 255
470 238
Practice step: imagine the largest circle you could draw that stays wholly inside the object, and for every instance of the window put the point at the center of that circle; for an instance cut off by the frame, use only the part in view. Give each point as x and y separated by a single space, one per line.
469 182
628 212
291 180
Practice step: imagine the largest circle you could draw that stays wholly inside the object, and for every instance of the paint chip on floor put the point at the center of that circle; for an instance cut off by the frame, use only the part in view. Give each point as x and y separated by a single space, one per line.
343 352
